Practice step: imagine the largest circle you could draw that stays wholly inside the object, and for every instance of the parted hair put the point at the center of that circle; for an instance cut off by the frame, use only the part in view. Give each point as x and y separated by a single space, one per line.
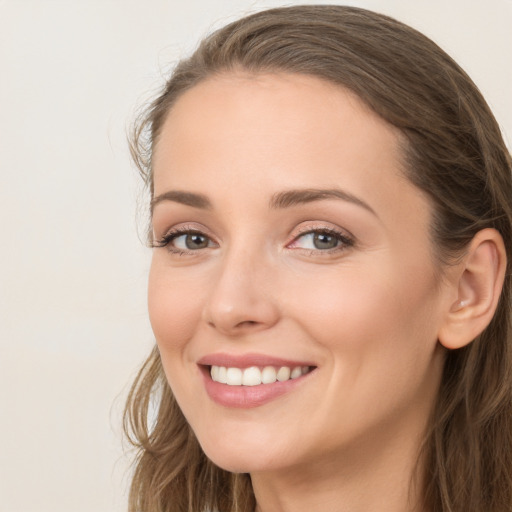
453 150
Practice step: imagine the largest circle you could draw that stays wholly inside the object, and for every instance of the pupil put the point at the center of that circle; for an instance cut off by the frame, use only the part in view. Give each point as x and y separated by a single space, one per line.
324 241
196 242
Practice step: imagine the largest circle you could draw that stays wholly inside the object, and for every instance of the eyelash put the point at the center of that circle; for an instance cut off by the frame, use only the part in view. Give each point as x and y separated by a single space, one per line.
168 238
344 241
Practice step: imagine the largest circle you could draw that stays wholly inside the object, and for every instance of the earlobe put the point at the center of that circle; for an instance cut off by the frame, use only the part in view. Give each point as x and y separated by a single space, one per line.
479 284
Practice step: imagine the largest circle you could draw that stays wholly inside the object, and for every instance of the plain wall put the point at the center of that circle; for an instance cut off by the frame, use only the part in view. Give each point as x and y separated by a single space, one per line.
73 322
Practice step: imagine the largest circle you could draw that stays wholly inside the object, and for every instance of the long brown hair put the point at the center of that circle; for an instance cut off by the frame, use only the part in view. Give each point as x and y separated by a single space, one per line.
455 152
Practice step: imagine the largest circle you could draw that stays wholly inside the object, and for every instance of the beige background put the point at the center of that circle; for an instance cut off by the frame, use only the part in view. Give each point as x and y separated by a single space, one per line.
73 325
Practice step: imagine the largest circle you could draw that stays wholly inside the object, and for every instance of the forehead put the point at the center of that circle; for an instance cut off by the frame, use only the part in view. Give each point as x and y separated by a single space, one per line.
256 96
272 113
240 133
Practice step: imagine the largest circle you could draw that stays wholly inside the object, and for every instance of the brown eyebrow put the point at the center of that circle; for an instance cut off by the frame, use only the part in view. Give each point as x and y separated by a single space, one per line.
290 198
186 198
285 199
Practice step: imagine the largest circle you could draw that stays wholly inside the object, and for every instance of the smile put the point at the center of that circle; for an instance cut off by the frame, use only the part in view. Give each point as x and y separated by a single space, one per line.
254 375
252 380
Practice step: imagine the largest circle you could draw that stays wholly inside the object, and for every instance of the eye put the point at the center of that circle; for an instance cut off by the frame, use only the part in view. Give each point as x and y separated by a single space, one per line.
191 241
185 241
319 240
322 240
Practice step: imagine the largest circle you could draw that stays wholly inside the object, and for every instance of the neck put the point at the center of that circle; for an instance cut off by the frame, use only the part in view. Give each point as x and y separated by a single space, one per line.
377 473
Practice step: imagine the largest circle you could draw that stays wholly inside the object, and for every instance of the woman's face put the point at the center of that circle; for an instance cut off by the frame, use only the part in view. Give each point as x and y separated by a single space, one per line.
287 237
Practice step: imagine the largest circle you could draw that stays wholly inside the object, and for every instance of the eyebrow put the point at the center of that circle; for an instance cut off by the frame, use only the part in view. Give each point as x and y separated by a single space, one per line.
291 198
285 199
186 198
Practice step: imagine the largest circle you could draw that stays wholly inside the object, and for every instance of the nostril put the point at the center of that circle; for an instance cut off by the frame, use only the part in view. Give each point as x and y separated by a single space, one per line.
246 323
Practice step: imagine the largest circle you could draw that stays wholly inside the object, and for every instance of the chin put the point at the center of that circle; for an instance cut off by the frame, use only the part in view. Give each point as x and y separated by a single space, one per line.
234 455
234 461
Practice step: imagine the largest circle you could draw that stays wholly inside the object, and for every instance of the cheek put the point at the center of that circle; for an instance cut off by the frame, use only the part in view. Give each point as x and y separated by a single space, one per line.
378 308
380 333
174 305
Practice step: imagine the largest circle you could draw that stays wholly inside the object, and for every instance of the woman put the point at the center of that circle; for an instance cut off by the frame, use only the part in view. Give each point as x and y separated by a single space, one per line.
331 221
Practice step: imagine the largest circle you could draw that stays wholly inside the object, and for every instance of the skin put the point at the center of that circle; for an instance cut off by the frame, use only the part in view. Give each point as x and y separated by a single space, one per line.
367 313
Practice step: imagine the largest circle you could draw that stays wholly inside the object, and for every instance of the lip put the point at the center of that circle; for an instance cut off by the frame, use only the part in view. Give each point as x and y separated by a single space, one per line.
248 360
247 397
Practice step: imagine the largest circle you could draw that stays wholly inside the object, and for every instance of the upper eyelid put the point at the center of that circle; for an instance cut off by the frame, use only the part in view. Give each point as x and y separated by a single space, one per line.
175 232
345 238
301 230
325 228
336 234
184 228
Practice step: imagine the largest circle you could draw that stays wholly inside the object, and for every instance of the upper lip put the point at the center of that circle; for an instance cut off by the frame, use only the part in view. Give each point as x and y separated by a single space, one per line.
247 360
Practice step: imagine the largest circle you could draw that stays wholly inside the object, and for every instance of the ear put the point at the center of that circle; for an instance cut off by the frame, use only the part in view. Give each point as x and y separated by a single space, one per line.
478 285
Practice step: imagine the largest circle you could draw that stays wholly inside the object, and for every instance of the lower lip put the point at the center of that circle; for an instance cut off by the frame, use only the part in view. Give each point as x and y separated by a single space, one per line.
247 397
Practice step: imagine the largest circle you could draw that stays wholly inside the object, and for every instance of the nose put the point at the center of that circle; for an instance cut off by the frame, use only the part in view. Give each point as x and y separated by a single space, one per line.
242 296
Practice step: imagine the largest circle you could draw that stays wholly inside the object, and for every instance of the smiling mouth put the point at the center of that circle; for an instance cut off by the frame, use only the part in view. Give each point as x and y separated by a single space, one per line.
255 376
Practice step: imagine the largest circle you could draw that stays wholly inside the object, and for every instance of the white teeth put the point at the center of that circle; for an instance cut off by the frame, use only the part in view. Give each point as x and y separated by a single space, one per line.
254 376
222 378
296 372
251 376
268 375
283 373
234 377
